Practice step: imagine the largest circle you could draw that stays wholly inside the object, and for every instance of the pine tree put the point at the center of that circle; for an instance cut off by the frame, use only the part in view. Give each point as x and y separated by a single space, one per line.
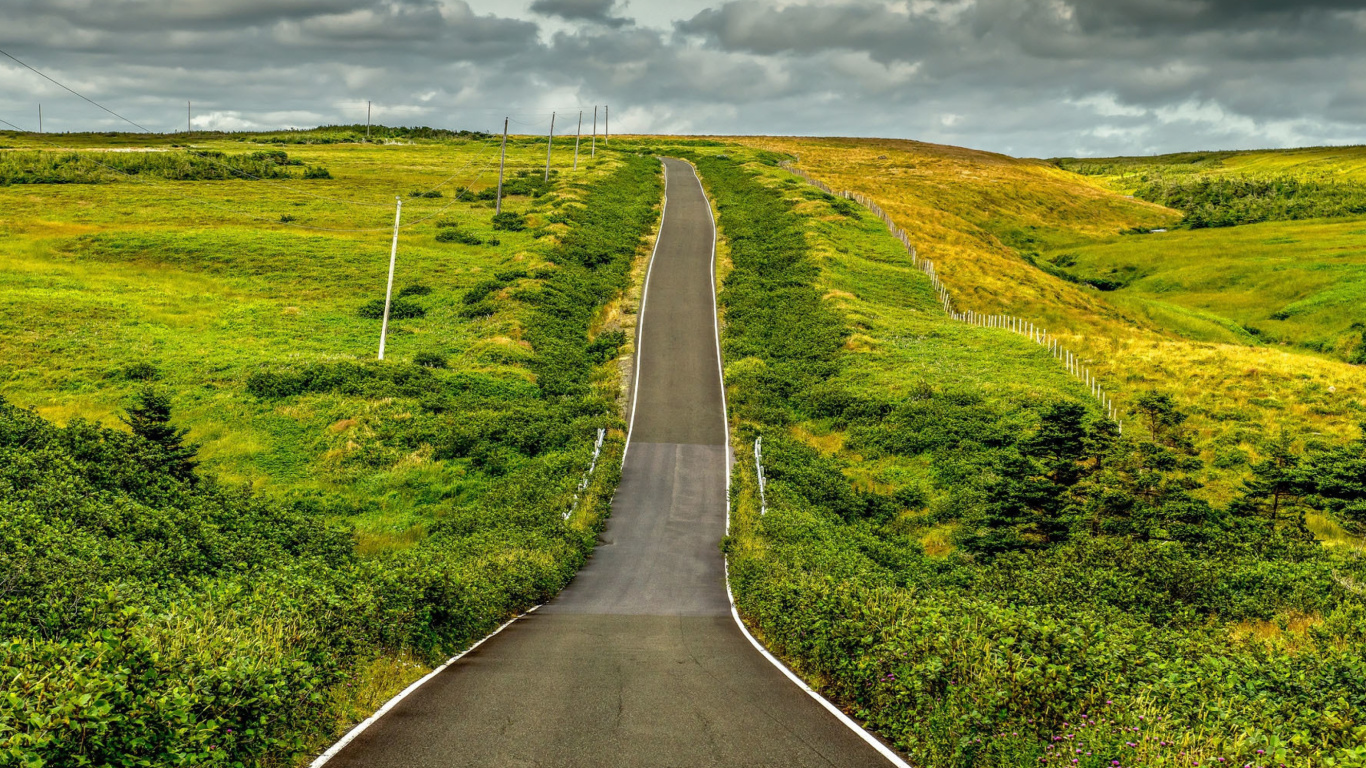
1277 484
149 416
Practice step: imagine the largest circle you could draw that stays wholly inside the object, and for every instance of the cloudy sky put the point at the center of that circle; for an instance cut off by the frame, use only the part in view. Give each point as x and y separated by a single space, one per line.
1026 77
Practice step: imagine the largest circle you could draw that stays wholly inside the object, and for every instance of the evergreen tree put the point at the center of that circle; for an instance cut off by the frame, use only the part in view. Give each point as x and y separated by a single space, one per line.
1166 422
1337 480
1277 484
149 416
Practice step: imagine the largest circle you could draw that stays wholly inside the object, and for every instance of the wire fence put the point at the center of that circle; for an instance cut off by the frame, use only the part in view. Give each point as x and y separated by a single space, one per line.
1072 363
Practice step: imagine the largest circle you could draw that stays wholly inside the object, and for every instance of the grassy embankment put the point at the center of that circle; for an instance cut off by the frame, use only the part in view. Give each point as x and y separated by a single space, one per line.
351 522
960 553
994 226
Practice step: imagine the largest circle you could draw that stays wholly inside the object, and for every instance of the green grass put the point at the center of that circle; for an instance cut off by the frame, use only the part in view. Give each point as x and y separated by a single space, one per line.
1300 283
201 280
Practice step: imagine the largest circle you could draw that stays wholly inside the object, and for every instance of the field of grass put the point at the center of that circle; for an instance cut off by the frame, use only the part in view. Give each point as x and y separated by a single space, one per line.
202 281
993 225
959 552
350 522
1291 283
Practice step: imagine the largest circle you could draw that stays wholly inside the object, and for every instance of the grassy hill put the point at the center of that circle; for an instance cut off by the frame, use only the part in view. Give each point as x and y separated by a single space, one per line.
350 522
995 225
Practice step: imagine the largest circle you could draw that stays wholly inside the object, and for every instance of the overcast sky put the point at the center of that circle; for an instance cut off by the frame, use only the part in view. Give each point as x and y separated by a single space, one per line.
1025 77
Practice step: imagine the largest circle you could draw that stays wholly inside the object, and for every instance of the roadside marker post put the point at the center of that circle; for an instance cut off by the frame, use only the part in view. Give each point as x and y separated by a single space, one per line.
502 157
389 291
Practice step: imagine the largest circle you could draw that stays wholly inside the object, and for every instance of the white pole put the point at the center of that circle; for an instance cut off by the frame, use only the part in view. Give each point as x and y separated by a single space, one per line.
593 149
498 206
549 144
389 291
577 135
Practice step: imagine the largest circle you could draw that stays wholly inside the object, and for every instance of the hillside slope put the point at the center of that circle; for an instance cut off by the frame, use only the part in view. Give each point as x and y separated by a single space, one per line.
993 225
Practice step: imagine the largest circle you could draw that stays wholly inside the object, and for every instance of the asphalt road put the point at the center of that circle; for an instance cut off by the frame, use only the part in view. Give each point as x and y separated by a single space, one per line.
638 663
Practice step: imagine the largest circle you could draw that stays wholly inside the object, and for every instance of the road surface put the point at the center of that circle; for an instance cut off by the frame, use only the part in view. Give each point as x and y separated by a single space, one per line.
638 662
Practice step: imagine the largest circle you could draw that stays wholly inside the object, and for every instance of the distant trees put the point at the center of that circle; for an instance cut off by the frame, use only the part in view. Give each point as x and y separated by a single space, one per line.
1226 201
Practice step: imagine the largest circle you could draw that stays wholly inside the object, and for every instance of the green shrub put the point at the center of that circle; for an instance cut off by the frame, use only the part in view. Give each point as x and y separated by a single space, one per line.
64 167
509 221
415 289
139 371
399 309
451 234
429 360
606 346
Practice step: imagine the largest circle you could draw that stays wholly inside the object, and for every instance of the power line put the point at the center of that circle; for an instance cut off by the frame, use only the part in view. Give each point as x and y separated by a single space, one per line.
74 93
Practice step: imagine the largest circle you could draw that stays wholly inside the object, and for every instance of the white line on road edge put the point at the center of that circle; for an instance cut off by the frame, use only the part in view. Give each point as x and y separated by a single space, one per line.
640 314
872 740
635 381
388 705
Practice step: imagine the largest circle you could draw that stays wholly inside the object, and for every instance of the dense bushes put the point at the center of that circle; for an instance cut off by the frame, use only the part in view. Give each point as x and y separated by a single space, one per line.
94 167
594 264
1225 201
1084 569
155 621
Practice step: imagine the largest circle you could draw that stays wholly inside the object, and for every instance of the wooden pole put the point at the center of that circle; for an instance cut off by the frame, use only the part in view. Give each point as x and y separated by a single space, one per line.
549 144
389 291
502 158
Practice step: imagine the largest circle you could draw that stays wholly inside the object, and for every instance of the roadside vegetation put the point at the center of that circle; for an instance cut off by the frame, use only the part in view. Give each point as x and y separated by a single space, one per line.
228 532
1252 330
962 552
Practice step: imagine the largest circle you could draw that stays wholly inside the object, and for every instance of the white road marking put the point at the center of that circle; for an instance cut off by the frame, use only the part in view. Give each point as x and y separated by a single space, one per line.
872 740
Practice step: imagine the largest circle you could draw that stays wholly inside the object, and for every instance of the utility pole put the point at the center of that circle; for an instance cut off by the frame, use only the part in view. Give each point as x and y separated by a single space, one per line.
367 119
593 151
389 291
578 134
502 158
549 144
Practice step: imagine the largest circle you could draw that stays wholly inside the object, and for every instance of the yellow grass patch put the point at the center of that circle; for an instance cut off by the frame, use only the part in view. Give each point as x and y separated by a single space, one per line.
828 444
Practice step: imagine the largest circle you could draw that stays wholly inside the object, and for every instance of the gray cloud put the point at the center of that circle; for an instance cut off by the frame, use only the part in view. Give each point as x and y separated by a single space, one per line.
1041 77
596 11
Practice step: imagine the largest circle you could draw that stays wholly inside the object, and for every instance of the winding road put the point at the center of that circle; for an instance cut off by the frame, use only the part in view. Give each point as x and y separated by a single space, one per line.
638 662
